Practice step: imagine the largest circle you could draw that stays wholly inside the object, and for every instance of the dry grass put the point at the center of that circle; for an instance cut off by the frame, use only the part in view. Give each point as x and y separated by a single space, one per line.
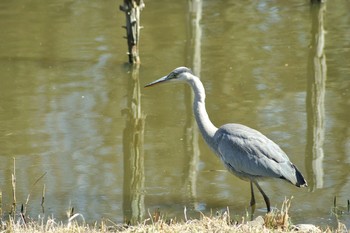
276 221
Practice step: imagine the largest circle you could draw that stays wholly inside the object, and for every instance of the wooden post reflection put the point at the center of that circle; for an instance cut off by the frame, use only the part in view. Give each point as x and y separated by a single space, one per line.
316 88
133 135
191 130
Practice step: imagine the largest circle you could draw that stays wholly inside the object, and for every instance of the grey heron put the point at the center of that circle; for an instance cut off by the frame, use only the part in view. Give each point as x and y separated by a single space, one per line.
244 151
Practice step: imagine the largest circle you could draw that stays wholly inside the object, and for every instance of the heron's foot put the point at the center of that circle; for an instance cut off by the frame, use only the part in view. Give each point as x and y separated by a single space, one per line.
252 206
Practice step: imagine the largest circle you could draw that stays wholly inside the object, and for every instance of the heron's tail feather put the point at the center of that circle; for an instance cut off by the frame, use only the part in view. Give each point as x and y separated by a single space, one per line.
300 180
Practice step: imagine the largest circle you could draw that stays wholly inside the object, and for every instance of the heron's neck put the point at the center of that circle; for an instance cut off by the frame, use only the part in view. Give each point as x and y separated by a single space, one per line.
206 127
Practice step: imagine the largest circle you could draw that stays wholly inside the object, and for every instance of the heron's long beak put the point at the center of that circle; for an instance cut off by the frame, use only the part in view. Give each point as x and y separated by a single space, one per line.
163 79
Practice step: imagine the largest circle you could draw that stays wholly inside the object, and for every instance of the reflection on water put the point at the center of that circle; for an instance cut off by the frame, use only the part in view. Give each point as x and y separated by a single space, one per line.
192 151
71 108
316 88
134 174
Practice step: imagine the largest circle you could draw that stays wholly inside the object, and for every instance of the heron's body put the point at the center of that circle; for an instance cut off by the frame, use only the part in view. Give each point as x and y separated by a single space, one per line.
244 151
250 160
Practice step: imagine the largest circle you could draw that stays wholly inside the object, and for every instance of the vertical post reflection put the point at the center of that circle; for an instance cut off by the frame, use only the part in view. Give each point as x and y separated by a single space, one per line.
191 131
317 73
133 135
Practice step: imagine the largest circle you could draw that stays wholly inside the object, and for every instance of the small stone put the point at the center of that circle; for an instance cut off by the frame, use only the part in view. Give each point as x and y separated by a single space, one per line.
306 228
259 221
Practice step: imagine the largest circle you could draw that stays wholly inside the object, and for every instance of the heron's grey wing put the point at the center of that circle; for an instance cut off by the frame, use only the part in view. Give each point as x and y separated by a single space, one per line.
249 154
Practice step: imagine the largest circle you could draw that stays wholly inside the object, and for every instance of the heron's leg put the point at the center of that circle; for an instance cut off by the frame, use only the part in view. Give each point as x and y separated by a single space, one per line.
267 200
252 199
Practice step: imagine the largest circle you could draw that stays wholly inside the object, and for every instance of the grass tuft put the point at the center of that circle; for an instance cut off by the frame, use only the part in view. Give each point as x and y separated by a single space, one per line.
279 219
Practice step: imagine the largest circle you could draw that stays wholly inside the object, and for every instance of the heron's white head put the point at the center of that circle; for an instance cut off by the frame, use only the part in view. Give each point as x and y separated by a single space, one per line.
179 74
